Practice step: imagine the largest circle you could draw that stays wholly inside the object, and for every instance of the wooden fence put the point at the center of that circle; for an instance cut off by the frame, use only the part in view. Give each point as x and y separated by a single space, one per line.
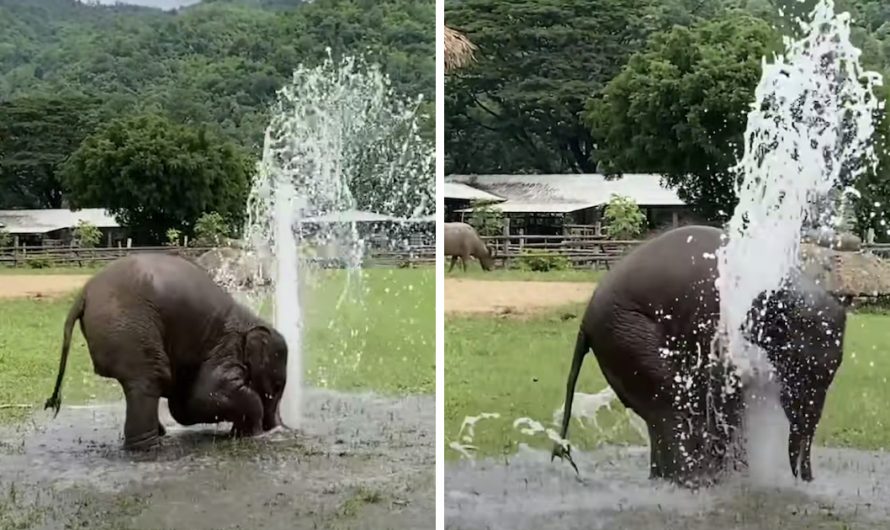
584 251
54 256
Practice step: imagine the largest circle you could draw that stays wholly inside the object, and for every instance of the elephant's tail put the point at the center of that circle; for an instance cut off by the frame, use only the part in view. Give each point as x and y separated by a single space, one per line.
76 311
582 346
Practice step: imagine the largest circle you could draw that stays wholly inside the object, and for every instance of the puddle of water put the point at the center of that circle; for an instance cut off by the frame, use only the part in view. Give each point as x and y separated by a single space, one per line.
613 492
362 461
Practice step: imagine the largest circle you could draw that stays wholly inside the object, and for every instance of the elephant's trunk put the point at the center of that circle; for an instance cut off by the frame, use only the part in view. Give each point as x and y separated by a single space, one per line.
581 349
76 312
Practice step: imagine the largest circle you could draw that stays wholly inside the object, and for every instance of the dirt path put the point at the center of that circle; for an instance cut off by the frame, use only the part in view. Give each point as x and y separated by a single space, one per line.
511 297
40 285
359 461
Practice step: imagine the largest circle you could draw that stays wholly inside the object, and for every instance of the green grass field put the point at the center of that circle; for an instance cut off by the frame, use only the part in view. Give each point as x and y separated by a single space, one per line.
382 340
518 368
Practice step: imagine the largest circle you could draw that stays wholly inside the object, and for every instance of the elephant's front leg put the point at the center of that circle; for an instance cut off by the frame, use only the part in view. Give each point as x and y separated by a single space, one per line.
453 261
219 393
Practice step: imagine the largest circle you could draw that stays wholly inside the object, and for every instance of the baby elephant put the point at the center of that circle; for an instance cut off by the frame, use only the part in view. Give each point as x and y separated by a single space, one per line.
159 325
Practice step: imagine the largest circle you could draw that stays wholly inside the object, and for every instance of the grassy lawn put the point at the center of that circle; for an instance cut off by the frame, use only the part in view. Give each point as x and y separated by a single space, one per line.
518 368
475 272
381 340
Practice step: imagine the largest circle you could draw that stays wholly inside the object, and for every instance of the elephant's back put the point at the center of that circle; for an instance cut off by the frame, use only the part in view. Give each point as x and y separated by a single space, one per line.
156 297
669 277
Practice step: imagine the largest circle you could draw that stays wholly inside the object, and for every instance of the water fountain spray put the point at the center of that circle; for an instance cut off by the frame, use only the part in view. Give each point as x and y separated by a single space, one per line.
340 141
809 134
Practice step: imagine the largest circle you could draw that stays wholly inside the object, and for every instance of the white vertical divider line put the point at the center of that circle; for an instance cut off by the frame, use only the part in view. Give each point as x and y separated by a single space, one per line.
440 265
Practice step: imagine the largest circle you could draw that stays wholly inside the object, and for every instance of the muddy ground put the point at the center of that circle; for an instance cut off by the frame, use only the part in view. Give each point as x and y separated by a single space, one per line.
527 491
40 285
511 297
358 461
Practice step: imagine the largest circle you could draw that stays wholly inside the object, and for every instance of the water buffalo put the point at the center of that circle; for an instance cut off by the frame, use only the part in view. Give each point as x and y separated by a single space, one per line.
462 241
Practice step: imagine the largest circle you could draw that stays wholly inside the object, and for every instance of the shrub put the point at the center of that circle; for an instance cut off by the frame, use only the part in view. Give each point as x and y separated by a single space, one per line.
5 238
39 263
173 236
210 230
87 235
487 221
542 261
624 219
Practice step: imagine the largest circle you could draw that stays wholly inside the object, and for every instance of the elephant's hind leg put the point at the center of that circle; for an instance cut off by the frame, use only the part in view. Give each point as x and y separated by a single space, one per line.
142 428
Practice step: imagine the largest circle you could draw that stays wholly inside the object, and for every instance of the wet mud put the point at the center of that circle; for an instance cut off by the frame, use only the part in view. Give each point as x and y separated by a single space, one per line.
358 461
526 491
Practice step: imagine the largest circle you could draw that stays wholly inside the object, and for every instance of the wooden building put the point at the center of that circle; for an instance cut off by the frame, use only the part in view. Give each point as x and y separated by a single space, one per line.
554 204
50 227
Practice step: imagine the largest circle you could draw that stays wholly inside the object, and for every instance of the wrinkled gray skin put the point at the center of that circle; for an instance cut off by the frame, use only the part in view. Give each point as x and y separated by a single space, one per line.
159 325
654 317
462 241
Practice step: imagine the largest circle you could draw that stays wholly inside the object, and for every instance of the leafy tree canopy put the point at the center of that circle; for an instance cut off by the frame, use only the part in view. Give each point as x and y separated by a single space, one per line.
518 108
680 108
153 174
37 133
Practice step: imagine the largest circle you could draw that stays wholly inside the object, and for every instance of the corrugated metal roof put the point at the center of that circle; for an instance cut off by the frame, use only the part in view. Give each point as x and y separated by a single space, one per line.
593 189
44 221
460 191
537 207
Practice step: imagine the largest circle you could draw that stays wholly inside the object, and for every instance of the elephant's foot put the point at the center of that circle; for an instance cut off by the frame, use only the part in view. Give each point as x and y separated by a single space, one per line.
245 431
144 442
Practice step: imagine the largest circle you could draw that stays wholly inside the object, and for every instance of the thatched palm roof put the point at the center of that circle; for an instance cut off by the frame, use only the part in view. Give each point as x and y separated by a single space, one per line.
847 273
458 50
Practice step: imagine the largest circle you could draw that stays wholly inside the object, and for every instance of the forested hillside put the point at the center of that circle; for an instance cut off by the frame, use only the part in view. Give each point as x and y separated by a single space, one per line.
69 72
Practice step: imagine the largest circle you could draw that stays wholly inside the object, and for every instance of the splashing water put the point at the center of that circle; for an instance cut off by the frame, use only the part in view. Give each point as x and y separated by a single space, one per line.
341 146
808 136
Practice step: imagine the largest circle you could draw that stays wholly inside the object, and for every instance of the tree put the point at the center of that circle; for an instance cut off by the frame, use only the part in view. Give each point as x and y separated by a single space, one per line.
87 235
624 219
37 133
210 229
518 107
679 108
153 174
872 207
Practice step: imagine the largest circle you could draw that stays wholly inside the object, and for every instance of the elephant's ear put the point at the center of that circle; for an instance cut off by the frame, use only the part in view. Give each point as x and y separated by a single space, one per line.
255 342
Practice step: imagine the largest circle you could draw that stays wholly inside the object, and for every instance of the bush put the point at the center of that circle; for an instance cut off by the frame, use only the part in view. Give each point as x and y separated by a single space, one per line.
623 218
173 237
5 238
543 261
487 221
210 230
87 235
39 263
